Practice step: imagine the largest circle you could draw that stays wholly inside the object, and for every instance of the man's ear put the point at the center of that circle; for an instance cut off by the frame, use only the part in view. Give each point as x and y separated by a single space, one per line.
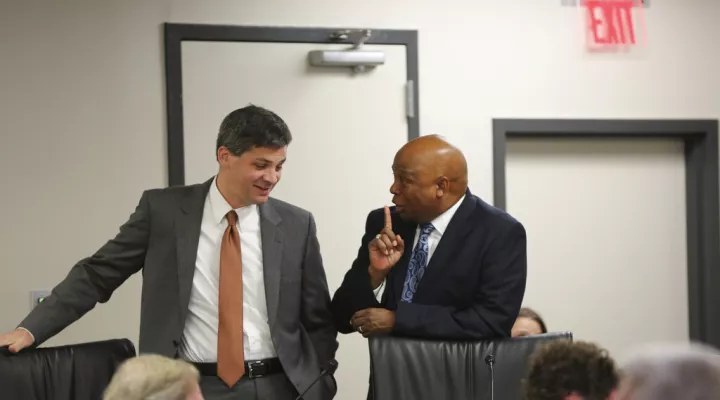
443 186
222 154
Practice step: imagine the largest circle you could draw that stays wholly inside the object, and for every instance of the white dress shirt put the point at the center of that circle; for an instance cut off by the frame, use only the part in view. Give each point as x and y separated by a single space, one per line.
200 337
440 223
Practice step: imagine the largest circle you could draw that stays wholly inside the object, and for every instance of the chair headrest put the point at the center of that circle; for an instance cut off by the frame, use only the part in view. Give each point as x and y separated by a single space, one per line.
431 369
77 371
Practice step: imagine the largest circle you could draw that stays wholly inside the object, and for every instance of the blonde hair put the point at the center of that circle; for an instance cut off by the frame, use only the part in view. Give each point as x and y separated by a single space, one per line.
152 377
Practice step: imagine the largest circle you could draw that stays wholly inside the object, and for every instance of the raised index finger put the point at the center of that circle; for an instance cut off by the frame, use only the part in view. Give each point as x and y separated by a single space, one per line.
388 220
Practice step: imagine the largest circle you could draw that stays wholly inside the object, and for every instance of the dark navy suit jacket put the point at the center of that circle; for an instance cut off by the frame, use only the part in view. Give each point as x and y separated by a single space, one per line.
473 286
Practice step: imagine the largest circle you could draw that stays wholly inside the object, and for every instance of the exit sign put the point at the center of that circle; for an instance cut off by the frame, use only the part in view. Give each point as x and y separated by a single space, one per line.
614 24
574 3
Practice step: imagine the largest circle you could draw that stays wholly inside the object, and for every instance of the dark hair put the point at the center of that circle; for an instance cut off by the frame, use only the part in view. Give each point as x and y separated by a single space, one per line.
250 127
527 312
559 368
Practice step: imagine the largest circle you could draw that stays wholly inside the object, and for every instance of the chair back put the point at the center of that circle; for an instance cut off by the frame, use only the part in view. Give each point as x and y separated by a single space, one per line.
72 372
416 369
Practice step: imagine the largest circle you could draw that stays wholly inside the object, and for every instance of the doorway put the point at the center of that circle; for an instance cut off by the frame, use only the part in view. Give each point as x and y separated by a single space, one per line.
346 127
575 153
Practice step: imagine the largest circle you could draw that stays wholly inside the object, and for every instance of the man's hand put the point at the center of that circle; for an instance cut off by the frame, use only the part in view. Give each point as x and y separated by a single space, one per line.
385 251
16 340
373 321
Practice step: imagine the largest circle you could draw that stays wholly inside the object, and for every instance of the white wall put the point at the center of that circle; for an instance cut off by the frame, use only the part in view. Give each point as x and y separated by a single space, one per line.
82 103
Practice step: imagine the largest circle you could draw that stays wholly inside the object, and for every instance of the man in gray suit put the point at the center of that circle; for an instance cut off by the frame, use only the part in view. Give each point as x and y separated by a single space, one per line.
233 280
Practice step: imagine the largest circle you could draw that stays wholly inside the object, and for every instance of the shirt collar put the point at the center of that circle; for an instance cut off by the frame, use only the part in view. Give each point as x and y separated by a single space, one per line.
220 206
443 220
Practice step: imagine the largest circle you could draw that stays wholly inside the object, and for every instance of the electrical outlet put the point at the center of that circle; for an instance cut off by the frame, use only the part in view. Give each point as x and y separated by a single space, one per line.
38 296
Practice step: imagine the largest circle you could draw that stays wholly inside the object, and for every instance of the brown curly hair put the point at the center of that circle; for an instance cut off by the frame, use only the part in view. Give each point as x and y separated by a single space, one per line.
561 368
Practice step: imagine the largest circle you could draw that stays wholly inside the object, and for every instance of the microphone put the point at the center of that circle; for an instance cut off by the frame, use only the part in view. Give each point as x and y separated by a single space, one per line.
329 369
490 360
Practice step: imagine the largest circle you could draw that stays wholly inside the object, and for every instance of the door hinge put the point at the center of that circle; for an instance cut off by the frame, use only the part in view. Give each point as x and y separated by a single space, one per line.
410 99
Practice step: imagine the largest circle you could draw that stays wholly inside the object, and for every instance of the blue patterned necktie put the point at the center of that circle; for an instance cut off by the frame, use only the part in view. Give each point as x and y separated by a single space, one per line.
418 263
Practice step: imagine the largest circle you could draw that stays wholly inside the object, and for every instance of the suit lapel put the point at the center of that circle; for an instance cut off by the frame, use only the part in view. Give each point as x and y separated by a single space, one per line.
457 229
272 249
187 234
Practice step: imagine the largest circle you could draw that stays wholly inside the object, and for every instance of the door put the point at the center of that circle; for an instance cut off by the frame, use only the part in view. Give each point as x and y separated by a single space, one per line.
606 225
346 129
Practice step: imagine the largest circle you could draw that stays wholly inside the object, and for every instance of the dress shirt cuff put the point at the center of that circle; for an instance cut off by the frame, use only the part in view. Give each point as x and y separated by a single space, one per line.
378 292
31 335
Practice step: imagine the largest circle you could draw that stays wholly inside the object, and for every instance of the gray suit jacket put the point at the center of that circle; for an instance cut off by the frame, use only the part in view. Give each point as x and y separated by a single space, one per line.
161 238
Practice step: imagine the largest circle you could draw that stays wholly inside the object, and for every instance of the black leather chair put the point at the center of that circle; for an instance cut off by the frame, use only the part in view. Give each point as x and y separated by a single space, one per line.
73 372
405 369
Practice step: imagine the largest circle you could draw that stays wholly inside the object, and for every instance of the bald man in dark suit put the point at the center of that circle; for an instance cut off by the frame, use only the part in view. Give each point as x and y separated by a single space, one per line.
441 264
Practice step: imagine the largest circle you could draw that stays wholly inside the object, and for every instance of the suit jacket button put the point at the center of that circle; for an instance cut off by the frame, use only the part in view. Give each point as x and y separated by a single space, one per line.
176 343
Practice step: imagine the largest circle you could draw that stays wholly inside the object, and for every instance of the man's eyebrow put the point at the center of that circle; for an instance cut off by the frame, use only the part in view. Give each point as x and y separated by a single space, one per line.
266 161
405 172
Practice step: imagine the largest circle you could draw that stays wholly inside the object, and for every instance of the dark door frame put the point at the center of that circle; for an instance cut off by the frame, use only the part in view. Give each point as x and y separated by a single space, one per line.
175 34
702 181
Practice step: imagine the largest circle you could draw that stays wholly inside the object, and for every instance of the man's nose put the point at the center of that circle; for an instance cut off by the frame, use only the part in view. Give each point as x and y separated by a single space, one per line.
394 188
272 177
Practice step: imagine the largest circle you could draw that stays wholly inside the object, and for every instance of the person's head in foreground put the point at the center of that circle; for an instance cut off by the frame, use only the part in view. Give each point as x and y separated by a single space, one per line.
154 377
528 323
251 149
672 372
430 176
566 370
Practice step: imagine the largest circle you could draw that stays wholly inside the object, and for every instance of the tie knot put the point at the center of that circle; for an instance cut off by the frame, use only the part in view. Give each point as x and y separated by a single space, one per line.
426 229
231 217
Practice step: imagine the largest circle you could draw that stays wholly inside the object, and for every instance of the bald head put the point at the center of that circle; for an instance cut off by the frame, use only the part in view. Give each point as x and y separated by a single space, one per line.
434 155
430 176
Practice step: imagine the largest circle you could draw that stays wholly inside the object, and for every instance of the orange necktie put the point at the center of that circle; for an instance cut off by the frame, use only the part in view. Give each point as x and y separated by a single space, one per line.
230 351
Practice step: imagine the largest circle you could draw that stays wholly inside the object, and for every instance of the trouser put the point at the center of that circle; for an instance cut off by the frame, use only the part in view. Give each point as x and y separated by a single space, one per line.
268 387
